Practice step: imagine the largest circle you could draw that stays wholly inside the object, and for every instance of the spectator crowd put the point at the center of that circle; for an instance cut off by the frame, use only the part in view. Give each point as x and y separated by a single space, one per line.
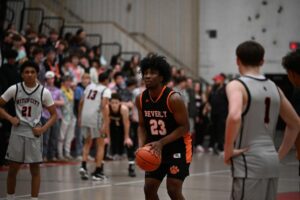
69 64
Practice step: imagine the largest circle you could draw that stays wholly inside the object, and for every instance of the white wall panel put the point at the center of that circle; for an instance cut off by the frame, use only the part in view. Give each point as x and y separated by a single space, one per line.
230 20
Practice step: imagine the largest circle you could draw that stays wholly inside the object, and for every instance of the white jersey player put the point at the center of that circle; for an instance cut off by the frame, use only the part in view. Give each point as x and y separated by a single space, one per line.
91 110
95 98
25 143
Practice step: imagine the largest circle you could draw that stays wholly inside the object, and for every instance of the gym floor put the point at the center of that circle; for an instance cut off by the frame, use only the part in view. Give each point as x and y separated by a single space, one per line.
209 180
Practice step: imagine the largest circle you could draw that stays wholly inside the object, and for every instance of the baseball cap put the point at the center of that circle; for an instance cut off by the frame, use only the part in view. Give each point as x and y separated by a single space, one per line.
49 74
218 77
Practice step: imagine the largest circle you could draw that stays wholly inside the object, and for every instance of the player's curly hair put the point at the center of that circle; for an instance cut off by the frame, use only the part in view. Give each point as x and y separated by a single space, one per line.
292 61
159 64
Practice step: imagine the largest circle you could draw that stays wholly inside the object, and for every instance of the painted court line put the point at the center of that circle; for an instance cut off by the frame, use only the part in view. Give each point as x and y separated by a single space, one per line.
110 185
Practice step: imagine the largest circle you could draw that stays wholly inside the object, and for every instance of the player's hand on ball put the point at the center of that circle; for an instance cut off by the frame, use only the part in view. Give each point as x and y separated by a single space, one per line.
38 131
15 121
156 147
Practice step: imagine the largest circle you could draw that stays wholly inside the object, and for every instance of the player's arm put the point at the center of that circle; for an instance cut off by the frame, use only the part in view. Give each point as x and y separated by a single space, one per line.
106 122
126 123
234 91
289 116
104 109
8 94
180 115
141 128
5 115
37 131
50 106
105 113
104 102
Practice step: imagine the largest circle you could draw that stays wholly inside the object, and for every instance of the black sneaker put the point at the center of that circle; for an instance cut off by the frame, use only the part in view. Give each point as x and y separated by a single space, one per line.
131 170
83 173
98 176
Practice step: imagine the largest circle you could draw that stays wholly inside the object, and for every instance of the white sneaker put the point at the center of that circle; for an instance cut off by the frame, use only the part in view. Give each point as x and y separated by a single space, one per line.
78 158
98 177
91 158
83 173
200 149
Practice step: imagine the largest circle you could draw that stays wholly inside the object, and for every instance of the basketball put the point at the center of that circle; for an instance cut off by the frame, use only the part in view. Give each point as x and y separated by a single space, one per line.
146 159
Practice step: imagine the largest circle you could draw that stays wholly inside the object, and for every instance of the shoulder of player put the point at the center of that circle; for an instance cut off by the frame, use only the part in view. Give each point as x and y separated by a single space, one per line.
46 90
46 93
174 101
106 89
124 109
235 85
91 85
175 96
14 86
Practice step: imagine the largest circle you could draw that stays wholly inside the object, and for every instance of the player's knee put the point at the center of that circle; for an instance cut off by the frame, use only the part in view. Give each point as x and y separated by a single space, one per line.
12 172
150 190
34 170
174 192
13 169
88 142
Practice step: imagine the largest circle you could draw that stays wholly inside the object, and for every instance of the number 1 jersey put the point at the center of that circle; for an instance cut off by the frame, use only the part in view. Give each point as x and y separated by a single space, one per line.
257 130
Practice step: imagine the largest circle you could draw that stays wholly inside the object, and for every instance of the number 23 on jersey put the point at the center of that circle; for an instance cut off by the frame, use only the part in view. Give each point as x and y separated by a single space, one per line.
157 127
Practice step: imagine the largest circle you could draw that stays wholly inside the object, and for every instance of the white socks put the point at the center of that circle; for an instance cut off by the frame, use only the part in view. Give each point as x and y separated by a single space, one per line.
10 197
131 162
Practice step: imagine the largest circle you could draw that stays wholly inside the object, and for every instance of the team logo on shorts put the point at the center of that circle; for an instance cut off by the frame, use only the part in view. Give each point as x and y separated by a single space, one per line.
177 155
174 169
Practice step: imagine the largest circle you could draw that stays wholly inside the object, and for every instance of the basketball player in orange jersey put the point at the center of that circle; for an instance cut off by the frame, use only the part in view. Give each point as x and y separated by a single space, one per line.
291 62
163 125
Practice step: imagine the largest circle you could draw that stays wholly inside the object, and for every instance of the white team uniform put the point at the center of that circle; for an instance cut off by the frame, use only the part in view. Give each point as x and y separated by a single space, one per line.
24 147
91 118
256 171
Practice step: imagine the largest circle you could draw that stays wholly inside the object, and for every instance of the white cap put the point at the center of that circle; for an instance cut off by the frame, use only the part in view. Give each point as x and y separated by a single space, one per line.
49 74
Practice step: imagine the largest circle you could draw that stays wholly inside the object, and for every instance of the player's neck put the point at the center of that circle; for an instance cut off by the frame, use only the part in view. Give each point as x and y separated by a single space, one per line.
30 84
155 92
255 71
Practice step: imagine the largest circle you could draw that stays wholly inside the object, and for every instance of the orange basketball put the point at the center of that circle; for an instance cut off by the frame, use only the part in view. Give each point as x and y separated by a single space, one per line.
147 159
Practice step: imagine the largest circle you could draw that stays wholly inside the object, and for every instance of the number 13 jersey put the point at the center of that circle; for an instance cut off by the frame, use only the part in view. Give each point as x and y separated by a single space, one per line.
257 130
159 122
93 95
